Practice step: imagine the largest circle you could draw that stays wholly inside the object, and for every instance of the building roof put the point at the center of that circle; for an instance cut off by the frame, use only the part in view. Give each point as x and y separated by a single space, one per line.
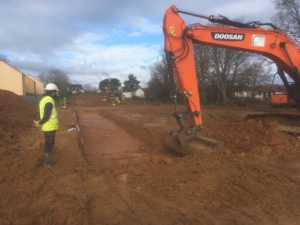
272 88
34 78
12 67
72 86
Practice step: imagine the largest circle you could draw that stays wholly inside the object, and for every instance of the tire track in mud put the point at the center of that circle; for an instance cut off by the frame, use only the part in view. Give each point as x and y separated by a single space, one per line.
116 202
104 142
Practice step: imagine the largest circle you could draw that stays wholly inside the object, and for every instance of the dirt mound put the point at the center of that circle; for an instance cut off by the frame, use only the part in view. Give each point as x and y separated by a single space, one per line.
94 100
255 180
16 115
252 136
87 100
238 135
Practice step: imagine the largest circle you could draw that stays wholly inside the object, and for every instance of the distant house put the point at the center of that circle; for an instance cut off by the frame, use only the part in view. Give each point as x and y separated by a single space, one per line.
11 79
262 93
75 89
265 92
133 92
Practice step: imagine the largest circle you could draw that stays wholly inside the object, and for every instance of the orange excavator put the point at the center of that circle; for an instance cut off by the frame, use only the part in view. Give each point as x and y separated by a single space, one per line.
179 39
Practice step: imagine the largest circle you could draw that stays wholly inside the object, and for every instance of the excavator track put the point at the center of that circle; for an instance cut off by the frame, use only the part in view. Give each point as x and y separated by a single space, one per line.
286 122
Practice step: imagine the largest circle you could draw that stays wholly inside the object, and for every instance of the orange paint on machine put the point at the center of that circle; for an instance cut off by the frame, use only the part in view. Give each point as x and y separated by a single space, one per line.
280 100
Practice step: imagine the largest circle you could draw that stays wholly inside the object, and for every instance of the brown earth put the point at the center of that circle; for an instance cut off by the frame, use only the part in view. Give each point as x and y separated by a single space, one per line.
116 170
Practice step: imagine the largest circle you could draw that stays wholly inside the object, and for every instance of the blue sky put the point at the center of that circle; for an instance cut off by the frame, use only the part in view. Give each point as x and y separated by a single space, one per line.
92 40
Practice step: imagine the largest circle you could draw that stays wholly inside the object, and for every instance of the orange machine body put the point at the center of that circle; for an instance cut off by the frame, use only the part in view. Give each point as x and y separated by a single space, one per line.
280 100
179 39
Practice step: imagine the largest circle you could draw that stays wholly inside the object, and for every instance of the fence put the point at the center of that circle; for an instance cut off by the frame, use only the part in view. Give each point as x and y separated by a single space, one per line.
33 99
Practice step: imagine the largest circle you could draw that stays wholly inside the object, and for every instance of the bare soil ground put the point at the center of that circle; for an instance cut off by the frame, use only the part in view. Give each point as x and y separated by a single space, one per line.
122 174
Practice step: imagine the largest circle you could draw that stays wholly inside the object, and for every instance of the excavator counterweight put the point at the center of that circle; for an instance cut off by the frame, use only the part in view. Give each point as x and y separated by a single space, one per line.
179 39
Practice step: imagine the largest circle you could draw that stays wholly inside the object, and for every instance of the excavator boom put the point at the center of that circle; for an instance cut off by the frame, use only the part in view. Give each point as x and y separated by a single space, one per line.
179 39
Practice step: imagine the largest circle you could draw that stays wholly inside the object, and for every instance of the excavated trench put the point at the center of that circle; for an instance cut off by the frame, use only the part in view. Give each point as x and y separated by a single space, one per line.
104 142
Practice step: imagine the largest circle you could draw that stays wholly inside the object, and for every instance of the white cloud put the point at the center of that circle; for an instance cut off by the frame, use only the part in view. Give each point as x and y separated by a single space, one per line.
92 39
252 10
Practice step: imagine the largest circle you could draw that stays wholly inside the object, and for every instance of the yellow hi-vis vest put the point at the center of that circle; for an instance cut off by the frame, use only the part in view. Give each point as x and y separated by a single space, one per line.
52 123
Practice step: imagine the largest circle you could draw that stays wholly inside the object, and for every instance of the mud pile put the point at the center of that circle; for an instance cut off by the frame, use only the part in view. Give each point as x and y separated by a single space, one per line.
87 100
95 100
258 137
254 180
16 116
223 124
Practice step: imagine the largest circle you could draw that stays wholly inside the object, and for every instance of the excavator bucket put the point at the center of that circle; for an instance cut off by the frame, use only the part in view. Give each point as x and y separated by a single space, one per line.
182 144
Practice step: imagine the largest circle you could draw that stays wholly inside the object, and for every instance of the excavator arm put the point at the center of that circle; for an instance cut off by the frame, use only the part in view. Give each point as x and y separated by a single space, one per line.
179 39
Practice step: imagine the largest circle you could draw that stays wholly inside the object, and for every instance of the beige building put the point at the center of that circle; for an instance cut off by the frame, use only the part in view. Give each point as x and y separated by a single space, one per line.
39 86
29 86
15 81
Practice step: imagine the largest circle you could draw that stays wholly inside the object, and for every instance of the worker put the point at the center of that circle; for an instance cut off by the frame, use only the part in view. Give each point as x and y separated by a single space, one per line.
48 120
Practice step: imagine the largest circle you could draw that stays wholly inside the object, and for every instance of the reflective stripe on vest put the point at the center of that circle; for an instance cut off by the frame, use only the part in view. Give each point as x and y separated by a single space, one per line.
52 123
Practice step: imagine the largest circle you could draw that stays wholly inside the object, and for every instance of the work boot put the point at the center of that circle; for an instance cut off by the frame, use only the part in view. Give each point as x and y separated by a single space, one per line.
48 160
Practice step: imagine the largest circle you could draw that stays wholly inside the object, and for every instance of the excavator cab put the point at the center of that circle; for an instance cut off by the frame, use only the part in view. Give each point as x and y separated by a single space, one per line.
179 39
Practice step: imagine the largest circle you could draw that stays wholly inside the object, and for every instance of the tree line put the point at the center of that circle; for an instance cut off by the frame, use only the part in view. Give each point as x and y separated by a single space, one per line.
220 73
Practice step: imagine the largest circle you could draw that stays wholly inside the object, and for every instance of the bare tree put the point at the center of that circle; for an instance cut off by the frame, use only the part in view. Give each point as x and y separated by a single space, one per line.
221 72
159 84
222 68
257 73
3 58
218 72
287 17
59 77
203 63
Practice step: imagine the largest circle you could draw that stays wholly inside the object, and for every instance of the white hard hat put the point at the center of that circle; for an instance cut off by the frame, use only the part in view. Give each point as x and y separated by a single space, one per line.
51 87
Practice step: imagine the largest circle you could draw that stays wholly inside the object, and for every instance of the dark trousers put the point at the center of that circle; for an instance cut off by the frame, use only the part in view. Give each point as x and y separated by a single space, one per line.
49 140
